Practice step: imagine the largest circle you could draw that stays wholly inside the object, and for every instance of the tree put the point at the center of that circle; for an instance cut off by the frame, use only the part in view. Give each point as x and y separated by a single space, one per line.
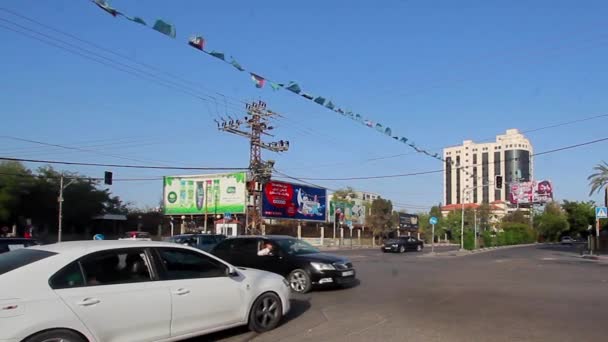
15 180
484 212
381 215
552 222
518 216
599 179
580 215
345 195
425 226
34 197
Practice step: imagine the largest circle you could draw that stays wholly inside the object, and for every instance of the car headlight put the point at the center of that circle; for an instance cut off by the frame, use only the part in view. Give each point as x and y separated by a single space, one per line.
395 245
319 266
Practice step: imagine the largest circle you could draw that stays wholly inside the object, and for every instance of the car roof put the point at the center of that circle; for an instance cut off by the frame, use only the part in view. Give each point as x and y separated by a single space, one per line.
99 245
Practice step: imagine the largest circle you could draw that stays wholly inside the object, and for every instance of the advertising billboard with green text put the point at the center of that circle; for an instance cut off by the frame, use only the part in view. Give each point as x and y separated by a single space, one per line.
200 194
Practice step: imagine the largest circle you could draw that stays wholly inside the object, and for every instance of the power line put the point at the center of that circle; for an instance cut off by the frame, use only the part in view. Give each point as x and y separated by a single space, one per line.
121 165
77 149
438 149
461 167
106 61
142 74
78 177
120 55
131 70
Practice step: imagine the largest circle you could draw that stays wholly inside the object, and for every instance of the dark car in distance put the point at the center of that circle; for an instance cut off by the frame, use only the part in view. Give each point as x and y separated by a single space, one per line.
402 244
299 262
204 242
10 244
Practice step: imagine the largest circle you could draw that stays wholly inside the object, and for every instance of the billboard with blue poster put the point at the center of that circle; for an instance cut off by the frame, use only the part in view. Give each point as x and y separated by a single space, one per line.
281 200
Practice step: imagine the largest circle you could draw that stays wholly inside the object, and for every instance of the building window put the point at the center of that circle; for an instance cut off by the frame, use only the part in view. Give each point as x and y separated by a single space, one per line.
448 180
485 173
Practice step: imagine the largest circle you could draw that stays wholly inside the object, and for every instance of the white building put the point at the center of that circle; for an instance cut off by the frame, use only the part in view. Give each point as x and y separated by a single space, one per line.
367 196
470 168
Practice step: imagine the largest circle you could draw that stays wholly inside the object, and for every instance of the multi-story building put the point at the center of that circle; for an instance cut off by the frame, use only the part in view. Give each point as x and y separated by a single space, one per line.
470 168
367 196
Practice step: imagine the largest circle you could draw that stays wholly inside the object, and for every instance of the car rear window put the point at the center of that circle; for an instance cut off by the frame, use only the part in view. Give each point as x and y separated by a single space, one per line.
21 257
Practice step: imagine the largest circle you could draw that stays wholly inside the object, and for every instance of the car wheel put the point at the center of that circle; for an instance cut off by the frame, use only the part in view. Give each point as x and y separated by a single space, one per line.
419 248
266 313
299 281
58 335
402 249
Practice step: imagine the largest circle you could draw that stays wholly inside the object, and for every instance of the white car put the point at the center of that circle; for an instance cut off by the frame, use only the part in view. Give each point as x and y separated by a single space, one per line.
130 291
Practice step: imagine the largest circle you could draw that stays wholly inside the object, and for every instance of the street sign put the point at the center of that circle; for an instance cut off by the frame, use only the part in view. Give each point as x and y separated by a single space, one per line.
433 220
601 212
98 237
349 223
227 216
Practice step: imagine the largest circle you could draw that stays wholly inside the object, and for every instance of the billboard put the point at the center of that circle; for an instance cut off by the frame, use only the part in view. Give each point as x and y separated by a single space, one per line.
531 192
408 221
211 194
294 202
354 212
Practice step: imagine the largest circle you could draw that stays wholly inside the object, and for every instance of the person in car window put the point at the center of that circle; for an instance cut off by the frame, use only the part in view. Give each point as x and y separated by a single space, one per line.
266 250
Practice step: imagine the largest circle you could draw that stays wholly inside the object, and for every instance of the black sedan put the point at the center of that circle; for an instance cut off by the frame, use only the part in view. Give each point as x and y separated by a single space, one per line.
299 262
402 244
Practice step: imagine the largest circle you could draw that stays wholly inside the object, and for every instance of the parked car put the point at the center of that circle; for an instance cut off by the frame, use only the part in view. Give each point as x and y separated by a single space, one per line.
135 235
402 244
298 261
131 291
10 244
204 242
567 240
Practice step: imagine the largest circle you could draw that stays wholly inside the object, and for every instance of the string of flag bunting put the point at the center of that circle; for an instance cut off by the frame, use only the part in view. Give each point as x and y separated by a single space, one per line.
198 42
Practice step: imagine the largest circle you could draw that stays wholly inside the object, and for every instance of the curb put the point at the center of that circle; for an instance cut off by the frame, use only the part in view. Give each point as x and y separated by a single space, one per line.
477 251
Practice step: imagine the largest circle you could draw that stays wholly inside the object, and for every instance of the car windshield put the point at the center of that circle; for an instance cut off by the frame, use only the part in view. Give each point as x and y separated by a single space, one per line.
20 257
182 239
132 235
296 247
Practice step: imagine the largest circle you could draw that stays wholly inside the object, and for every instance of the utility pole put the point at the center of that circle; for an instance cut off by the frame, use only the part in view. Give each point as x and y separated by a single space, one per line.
60 200
258 121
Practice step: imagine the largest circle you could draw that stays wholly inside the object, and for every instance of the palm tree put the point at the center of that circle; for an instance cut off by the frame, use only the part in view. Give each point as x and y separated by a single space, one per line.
599 179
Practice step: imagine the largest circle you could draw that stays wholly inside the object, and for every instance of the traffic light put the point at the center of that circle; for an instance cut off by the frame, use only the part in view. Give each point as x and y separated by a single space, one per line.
498 182
107 178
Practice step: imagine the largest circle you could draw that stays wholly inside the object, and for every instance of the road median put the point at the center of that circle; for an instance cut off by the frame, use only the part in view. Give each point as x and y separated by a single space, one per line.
465 252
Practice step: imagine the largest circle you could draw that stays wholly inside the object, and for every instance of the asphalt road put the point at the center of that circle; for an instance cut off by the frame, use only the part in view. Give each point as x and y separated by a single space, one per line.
539 293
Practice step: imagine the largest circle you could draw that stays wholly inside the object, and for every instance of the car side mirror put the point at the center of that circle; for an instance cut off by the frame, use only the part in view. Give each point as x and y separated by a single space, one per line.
232 272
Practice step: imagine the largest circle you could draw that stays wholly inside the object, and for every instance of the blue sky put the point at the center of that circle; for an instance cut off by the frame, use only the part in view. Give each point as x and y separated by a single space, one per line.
438 72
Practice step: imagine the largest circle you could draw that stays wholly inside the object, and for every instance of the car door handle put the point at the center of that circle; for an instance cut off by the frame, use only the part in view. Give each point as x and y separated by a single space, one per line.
89 302
181 292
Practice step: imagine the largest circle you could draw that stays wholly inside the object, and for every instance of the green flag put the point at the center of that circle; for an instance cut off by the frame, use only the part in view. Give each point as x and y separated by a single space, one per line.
136 20
330 105
294 87
320 100
236 64
164 28
103 4
217 54
307 96
275 86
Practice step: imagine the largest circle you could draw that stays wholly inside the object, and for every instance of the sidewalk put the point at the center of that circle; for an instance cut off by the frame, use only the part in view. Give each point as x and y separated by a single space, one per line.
599 258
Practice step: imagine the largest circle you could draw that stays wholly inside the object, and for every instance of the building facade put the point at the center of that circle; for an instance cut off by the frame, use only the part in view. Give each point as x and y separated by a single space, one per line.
367 196
470 168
